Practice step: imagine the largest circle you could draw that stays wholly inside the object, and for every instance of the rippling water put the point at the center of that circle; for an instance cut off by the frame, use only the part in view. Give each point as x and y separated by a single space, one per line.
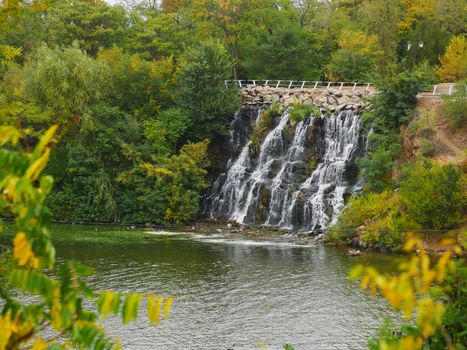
229 293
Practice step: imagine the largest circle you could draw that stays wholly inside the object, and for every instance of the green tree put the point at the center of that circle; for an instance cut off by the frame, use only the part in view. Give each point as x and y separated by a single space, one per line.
357 58
66 81
203 95
284 52
94 24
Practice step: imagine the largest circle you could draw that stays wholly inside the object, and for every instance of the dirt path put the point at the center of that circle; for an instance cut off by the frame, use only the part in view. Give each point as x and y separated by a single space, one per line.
451 143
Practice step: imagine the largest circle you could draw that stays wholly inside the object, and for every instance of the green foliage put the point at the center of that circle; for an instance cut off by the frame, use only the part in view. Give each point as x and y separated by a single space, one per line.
426 148
391 107
265 122
356 58
455 106
385 217
164 132
377 168
93 25
378 216
299 112
423 200
66 81
286 51
142 88
55 317
203 95
397 97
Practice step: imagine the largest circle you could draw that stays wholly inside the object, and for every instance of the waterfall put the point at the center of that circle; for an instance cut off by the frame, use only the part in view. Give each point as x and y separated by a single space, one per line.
299 177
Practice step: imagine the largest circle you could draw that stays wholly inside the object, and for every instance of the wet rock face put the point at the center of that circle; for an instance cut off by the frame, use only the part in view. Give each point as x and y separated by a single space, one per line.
299 176
333 99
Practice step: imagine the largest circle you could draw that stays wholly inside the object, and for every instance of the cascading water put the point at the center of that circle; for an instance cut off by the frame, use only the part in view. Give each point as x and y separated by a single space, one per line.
299 177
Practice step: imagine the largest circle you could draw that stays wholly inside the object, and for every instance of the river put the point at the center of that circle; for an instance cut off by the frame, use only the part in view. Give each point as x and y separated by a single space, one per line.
229 293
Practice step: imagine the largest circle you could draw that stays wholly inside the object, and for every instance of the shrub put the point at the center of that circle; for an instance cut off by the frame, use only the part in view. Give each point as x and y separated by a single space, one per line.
389 233
431 194
265 122
426 148
366 207
397 97
376 169
455 106
299 112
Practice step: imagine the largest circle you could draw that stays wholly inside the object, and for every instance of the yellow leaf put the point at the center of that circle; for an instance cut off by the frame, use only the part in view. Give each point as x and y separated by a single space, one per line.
44 141
7 327
35 169
168 304
355 272
39 344
22 251
154 308
55 310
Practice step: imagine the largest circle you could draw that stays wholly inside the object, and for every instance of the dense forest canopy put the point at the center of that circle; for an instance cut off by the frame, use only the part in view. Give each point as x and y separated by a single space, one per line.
137 89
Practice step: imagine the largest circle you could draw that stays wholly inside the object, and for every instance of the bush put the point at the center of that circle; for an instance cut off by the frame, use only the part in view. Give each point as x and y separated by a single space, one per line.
265 122
432 195
426 148
397 97
455 106
299 112
376 169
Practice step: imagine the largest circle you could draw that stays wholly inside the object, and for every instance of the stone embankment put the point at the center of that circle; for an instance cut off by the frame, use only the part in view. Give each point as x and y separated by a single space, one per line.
332 99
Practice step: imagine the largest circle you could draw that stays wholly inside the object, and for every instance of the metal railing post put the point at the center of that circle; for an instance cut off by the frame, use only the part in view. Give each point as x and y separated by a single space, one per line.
316 84
254 82
278 82
266 83
226 83
434 89
329 84
290 84
450 89
340 88
303 84
367 87
354 86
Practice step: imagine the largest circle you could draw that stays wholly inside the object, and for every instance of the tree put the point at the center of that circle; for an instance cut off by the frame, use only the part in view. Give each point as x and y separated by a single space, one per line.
380 17
284 51
203 95
228 17
140 87
454 61
55 317
358 57
66 81
93 24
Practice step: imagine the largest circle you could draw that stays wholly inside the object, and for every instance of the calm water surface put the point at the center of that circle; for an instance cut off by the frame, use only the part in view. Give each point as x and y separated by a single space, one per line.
229 293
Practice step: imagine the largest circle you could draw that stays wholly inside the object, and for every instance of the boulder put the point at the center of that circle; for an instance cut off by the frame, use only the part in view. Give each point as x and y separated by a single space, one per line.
344 100
331 100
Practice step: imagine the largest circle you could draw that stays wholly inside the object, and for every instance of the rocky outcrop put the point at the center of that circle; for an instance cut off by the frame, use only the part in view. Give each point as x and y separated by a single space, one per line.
332 99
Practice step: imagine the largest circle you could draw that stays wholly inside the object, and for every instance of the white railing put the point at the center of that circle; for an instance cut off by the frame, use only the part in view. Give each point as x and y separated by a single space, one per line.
297 84
440 89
